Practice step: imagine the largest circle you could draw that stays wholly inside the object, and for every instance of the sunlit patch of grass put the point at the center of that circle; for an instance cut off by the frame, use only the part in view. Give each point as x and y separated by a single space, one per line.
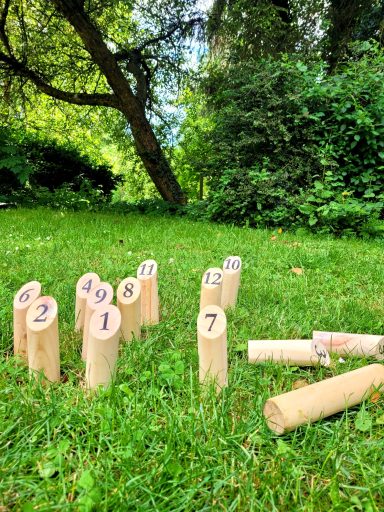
153 441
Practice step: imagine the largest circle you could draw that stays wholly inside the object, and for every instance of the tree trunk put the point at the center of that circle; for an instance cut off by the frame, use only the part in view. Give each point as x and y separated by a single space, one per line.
129 104
151 154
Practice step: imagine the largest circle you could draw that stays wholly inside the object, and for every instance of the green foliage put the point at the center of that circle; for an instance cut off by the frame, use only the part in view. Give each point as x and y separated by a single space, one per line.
55 166
14 166
290 145
36 171
154 440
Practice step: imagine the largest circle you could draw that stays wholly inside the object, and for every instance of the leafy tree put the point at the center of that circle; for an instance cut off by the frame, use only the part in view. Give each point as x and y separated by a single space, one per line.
105 53
349 20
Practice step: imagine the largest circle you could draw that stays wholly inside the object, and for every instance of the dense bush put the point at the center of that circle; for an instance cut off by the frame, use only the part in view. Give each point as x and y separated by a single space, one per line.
290 145
45 165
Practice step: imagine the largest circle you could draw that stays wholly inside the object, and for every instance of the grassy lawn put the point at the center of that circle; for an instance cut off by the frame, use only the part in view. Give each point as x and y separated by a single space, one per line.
153 441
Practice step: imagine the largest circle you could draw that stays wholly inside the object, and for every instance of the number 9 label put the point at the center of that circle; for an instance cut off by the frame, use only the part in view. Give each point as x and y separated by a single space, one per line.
100 295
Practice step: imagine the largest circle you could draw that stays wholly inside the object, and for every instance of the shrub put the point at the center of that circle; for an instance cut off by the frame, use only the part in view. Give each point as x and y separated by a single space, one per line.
47 165
291 145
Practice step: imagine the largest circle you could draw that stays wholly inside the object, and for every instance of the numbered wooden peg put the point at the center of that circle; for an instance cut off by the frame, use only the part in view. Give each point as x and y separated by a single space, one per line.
311 403
83 287
22 301
101 295
231 281
43 338
129 304
147 275
103 346
290 352
360 345
211 287
212 346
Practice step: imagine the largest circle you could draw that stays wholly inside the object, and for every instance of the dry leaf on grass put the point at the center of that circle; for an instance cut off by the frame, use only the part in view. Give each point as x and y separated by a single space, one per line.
375 397
301 383
297 270
273 238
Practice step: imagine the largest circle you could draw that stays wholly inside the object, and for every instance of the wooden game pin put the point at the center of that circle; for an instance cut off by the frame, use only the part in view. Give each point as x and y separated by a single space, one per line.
212 346
211 286
290 352
231 281
99 296
147 275
83 287
361 345
129 304
311 403
27 294
43 338
103 346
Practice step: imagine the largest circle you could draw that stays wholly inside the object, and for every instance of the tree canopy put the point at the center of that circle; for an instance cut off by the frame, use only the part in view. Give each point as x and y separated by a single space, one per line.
113 54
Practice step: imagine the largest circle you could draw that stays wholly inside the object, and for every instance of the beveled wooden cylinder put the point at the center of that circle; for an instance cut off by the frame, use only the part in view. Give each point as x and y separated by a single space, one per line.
147 275
360 345
129 304
231 281
212 346
83 287
290 352
43 339
285 412
27 294
103 346
100 296
211 287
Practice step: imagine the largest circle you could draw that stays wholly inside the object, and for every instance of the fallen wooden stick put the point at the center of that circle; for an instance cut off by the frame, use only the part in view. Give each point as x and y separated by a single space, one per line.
361 345
285 412
290 352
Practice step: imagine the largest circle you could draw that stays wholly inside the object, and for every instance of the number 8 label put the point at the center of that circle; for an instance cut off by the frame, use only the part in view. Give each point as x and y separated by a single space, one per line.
128 290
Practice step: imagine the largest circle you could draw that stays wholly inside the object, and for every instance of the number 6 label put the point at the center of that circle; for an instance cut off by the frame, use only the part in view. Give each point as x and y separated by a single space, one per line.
22 301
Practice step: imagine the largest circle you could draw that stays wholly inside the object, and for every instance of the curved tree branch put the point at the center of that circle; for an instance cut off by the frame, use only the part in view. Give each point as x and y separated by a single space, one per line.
3 20
19 69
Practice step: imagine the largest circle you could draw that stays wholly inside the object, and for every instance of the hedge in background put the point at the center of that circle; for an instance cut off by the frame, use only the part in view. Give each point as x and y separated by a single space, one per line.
46 164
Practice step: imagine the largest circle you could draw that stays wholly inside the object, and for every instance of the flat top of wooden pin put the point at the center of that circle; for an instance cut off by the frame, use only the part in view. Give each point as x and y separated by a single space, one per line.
380 349
147 269
274 417
26 295
41 313
128 290
211 322
86 283
105 322
232 264
100 295
320 352
212 277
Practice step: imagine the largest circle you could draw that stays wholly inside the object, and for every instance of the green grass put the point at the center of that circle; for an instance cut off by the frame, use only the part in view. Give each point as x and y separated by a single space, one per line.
154 441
